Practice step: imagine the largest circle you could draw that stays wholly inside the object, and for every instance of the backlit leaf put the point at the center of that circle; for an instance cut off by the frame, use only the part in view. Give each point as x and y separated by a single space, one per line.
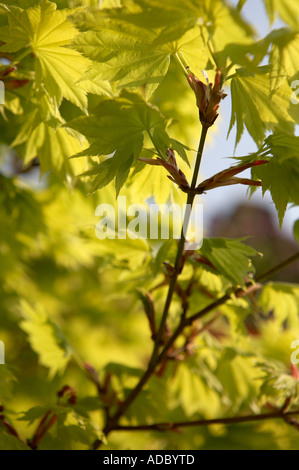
281 174
254 107
45 338
45 31
119 125
282 300
230 257
288 11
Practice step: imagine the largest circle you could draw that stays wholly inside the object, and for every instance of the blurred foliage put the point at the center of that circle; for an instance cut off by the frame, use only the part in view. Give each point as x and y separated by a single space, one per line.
104 84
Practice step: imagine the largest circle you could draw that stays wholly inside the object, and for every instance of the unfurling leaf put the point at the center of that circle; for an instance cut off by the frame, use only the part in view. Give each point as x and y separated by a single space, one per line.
208 98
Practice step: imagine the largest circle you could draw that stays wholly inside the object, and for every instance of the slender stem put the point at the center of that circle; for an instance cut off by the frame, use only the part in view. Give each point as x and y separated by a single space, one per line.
112 422
173 280
154 360
201 145
292 259
183 323
21 56
207 422
214 305
210 47
222 300
180 62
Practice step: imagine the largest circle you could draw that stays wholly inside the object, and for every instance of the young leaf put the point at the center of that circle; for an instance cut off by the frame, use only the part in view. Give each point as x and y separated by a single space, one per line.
189 384
253 106
118 125
230 257
126 58
45 338
284 56
225 25
44 31
280 175
52 147
282 300
9 442
288 11
239 376
124 47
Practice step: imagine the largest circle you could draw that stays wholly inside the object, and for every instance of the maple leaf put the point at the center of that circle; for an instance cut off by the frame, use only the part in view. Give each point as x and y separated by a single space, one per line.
280 175
44 31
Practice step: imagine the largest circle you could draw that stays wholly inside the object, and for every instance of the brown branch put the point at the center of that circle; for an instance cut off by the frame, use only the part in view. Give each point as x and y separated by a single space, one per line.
292 259
164 427
180 250
112 424
154 360
207 99
222 300
239 290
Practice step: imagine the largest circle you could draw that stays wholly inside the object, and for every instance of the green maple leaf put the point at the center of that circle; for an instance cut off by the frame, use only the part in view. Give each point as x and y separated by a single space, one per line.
216 18
123 51
284 56
9 442
133 56
45 338
52 146
41 135
231 257
280 175
254 107
224 25
132 45
288 11
44 31
283 300
119 125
